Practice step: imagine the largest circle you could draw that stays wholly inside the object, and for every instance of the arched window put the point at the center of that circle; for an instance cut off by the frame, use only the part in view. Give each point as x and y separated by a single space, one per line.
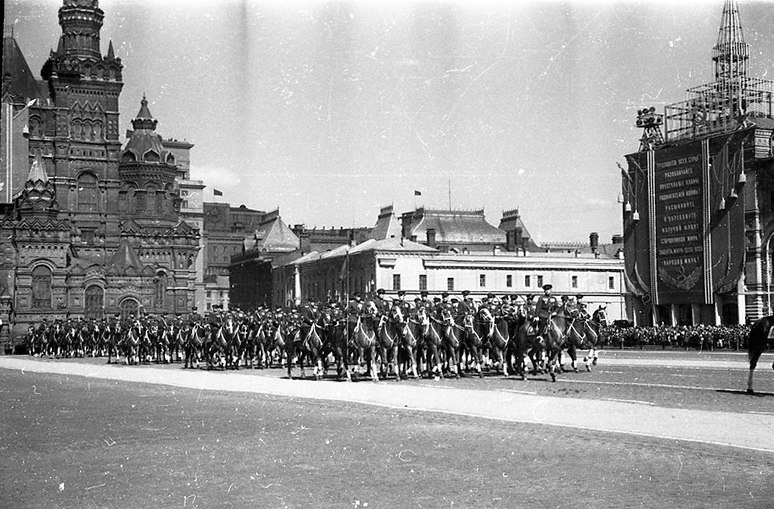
87 193
94 302
41 287
36 127
129 307
161 290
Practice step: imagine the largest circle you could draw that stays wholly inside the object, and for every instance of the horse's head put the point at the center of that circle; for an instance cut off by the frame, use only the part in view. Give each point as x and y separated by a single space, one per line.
467 321
370 308
485 315
397 314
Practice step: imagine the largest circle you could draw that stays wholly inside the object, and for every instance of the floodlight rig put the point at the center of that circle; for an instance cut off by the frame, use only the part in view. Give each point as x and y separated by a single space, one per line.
650 122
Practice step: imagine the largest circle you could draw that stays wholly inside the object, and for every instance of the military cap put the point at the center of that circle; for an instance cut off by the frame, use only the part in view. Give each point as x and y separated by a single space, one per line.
454 299
357 295
444 295
194 309
417 299
465 293
401 293
436 299
490 296
579 297
423 293
380 291
547 287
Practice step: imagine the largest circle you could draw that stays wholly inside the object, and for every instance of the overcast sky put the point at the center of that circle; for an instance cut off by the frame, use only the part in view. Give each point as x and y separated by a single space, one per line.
331 110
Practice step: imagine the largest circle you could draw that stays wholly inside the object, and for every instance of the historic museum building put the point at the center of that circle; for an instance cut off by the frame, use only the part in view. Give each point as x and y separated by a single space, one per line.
90 228
698 198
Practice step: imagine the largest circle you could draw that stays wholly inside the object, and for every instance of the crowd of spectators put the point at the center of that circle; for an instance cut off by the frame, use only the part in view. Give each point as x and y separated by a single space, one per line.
700 337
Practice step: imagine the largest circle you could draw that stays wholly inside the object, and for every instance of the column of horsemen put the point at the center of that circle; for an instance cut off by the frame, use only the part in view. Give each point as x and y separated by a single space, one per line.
379 336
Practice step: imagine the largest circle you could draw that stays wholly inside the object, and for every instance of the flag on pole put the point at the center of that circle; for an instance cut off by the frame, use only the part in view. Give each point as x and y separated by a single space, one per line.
417 193
217 192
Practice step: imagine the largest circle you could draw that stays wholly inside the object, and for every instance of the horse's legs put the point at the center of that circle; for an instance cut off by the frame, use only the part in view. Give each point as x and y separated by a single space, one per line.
371 354
573 353
753 356
553 359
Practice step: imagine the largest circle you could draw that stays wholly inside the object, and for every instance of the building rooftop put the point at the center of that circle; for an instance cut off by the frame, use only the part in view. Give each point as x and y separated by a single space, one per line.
451 227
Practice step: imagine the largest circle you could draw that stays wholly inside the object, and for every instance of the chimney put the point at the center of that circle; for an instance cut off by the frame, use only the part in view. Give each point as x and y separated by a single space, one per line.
510 240
305 242
594 242
431 238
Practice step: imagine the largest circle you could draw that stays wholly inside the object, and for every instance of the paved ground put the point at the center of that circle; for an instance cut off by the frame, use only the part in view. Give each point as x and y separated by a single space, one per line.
515 402
84 441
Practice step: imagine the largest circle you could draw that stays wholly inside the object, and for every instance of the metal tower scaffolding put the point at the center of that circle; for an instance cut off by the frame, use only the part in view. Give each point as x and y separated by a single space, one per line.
733 97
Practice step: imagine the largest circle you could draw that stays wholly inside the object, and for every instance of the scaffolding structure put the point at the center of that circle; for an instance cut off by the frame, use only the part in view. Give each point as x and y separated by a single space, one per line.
718 107
727 103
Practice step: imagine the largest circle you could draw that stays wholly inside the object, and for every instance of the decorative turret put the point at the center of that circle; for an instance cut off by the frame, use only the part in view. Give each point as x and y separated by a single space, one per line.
144 144
78 54
151 170
144 119
38 198
81 21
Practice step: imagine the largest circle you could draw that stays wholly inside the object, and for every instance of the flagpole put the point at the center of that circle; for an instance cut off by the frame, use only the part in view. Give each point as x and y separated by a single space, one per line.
450 194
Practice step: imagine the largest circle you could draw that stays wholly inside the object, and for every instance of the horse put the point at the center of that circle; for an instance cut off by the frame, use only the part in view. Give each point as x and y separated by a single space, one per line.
452 337
432 348
216 348
364 339
582 333
131 343
408 342
111 334
555 336
389 341
338 345
193 345
256 344
529 343
232 350
761 336
419 328
307 343
276 344
475 336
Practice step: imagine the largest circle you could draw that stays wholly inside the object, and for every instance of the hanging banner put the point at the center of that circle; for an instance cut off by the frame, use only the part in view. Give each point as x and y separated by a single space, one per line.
679 180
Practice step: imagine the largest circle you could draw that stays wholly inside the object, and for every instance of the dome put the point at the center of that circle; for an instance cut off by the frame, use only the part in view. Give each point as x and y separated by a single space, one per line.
144 144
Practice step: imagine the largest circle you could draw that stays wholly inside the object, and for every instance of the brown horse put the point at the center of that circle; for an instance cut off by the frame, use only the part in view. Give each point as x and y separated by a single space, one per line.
555 336
476 334
582 334
761 336
389 341
408 341
364 339
529 343
306 344
420 329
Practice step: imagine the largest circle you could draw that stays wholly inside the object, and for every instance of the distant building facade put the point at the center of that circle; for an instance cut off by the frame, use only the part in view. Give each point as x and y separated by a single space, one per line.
224 231
469 258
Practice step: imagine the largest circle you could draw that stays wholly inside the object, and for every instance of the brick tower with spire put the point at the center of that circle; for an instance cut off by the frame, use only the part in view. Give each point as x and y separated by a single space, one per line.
95 229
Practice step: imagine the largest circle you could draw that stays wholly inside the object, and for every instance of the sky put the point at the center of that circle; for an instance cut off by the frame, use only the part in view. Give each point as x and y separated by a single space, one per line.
331 110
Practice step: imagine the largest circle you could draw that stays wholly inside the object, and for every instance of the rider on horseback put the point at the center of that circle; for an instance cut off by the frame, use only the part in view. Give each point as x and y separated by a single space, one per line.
545 308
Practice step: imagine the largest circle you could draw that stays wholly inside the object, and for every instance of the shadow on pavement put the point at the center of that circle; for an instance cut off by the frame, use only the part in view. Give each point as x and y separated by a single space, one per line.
745 393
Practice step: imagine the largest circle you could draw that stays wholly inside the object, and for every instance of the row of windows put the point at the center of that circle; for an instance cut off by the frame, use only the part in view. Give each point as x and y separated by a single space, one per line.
396 282
42 279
